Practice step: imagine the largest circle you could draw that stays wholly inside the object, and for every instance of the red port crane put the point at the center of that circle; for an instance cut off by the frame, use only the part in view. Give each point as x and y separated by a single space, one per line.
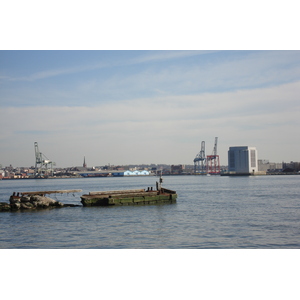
213 161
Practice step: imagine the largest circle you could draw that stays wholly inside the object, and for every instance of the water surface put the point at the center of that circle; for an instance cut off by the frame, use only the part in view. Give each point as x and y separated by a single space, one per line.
210 212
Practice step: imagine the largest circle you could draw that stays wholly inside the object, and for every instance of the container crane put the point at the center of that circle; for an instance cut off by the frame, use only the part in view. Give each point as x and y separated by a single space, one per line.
213 161
43 166
215 147
200 160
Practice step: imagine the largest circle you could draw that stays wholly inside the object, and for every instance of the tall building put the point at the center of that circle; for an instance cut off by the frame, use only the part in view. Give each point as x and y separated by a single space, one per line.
242 160
84 164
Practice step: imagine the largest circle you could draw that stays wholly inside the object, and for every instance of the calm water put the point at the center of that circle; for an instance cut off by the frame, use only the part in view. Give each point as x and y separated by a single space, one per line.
211 212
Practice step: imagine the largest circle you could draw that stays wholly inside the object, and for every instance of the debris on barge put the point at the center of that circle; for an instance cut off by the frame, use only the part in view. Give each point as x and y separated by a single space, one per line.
130 197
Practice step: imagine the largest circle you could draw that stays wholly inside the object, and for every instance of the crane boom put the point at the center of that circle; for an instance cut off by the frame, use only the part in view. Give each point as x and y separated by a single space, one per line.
215 147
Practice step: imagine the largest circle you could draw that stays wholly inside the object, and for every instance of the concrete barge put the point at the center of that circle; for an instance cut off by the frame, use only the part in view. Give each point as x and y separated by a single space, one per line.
130 197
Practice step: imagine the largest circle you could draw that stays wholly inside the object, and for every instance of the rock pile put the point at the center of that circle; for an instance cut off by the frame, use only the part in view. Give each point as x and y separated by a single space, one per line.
35 201
4 206
31 202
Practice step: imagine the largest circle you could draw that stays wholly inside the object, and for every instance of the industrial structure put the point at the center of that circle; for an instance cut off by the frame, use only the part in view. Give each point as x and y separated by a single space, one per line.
200 161
213 161
242 160
209 164
43 166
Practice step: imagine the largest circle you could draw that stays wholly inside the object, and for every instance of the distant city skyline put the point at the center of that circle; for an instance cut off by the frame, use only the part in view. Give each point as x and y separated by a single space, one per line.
143 107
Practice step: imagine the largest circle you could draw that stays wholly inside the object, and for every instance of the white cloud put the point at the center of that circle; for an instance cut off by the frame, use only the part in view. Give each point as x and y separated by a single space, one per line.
161 129
254 70
206 74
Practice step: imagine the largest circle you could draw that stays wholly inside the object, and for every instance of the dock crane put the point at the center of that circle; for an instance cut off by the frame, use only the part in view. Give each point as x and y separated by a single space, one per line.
43 166
214 153
200 160
213 161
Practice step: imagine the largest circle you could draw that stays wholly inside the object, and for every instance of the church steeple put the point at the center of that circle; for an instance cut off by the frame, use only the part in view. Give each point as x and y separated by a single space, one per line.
84 164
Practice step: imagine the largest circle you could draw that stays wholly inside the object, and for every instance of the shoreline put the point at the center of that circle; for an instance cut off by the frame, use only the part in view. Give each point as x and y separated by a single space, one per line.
221 174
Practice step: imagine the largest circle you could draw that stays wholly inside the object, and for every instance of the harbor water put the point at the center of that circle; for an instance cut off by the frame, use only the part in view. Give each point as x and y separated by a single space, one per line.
211 212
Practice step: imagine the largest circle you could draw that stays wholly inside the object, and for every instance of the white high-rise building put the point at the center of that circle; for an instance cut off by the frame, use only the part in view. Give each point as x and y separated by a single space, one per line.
242 160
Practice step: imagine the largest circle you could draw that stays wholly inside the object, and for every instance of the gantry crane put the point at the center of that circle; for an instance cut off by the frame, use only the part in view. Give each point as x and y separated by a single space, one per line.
199 161
213 161
43 166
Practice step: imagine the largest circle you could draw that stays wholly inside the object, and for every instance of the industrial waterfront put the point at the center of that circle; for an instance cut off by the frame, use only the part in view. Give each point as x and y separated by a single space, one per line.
210 212
241 161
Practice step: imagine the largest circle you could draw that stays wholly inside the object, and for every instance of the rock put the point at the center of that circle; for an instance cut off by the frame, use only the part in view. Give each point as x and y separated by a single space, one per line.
25 199
14 200
44 202
27 205
15 206
31 202
4 206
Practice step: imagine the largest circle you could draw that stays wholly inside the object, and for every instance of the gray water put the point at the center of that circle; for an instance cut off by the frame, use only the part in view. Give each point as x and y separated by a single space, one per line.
210 212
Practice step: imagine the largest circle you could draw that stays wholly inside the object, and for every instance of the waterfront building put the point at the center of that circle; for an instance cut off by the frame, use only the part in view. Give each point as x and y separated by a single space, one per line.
266 166
176 169
136 173
242 160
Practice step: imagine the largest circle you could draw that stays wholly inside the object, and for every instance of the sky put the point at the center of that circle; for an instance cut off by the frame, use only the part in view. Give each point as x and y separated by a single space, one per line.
142 107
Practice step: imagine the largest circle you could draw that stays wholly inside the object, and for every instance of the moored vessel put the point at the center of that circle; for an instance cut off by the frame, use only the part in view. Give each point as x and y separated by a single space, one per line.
130 197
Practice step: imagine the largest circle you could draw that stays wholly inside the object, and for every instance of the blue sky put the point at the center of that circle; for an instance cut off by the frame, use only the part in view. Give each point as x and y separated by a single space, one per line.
134 107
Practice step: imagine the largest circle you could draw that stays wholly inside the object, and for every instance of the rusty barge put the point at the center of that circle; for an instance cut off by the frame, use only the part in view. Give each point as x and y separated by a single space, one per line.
130 197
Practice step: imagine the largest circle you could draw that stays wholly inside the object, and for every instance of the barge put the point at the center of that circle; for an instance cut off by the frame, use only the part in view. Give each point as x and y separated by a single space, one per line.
130 197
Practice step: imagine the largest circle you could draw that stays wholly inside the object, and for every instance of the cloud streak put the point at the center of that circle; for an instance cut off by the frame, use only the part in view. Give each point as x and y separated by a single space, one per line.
112 81
161 129
97 65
